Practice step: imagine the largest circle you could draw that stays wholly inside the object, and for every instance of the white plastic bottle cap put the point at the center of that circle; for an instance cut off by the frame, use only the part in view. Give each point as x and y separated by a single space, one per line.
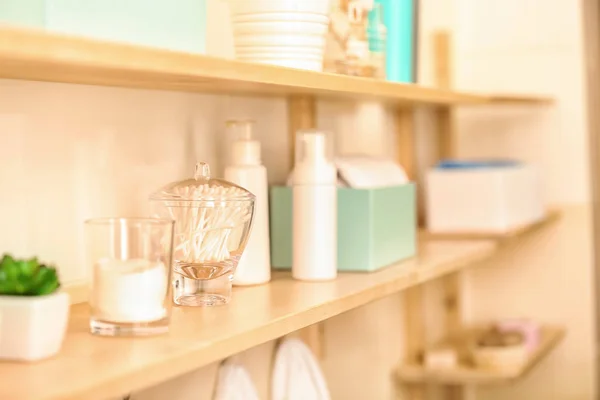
244 150
314 158
314 146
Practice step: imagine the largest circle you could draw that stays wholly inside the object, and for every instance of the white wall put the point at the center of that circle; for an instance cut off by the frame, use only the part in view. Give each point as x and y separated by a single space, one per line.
535 46
531 46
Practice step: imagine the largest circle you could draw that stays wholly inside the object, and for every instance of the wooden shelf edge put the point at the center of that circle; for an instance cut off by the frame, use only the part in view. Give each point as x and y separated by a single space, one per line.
101 368
510 99
38 55
551 216
465 375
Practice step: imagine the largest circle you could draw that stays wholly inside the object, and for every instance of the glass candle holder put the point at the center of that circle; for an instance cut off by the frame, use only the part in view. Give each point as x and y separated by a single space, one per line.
131 261
212 223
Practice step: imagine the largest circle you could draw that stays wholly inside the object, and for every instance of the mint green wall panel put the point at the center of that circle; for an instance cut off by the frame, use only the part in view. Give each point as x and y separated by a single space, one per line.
23 12
176 25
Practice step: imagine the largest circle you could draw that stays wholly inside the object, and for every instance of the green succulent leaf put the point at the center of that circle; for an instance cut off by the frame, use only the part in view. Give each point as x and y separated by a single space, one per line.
47 287
11 269
26 277
28 267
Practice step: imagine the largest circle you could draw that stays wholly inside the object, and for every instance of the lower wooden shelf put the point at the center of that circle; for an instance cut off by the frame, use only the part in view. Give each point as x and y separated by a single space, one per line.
551 216
97 368
470 375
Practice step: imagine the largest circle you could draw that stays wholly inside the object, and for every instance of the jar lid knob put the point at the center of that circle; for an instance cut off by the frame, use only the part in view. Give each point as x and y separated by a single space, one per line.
202 171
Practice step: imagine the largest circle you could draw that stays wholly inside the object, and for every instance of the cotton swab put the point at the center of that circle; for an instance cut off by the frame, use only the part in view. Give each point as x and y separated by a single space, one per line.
204 231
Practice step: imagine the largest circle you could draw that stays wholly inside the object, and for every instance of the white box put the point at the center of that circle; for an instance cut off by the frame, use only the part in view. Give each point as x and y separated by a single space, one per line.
483 199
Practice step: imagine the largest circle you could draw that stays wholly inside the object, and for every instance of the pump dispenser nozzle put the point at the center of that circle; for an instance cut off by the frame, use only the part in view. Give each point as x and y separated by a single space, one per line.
244 150
314 162
314 146
242 130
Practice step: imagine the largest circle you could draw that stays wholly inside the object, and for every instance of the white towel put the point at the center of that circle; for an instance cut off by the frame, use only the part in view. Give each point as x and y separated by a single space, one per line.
296 374
234 382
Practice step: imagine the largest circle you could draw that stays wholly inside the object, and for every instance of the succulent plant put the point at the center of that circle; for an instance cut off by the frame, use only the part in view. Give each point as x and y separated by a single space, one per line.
26 277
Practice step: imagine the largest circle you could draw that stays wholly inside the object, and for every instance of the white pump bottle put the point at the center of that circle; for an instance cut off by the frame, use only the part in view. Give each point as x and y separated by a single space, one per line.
314 208
246 170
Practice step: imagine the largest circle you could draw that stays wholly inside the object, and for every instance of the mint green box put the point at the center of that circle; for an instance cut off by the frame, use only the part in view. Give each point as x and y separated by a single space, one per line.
376 227
176 25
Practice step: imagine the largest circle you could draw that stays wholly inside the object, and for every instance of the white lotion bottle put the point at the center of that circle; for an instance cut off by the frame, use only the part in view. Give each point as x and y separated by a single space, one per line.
314 186
245 169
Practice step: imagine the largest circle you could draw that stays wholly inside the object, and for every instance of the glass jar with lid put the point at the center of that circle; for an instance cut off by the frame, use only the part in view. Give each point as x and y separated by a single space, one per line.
212 223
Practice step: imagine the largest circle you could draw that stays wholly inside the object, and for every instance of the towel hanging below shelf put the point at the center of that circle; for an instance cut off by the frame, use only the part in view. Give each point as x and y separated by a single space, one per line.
296 374
234 382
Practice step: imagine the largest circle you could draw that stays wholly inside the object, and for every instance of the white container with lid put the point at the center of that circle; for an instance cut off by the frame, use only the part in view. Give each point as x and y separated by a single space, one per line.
245 169
213 220
314 223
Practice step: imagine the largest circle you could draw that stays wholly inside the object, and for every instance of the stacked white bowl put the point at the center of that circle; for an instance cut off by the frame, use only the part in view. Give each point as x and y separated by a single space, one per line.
289 33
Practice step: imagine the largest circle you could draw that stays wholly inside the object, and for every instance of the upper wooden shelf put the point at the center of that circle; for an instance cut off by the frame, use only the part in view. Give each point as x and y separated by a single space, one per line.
43 56
96 368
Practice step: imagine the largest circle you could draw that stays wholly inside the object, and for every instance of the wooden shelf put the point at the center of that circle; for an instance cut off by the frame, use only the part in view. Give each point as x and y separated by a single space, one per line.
550 217
42 56
99 368
469 375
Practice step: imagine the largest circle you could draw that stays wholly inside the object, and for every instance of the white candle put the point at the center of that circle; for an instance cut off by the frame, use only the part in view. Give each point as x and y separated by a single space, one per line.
129 290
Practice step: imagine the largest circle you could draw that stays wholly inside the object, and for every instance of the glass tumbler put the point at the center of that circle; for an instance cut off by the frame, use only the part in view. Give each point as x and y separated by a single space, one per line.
131 261
212 223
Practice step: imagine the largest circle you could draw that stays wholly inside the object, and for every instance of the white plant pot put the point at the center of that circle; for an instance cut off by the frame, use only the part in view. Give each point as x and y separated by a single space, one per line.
32 327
